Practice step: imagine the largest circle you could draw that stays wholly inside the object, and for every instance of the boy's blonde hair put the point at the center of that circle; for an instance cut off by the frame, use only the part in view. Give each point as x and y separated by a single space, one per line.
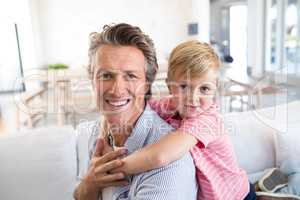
192 58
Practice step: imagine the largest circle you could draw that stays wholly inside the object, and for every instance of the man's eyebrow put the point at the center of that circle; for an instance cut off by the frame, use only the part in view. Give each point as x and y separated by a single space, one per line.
103 70
114 71
130 71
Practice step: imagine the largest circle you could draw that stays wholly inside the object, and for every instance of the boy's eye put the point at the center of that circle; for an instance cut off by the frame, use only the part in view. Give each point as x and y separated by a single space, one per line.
204 90
183 86
207 90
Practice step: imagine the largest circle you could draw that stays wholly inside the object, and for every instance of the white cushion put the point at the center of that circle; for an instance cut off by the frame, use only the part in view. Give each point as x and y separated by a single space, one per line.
254 177
38 165
253 141
293 186
288 149
84 132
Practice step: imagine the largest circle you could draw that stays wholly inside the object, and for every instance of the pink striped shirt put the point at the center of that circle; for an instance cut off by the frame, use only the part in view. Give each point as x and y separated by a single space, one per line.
218 173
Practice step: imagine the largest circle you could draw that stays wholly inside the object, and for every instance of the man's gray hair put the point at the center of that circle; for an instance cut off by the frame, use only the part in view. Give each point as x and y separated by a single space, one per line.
125 35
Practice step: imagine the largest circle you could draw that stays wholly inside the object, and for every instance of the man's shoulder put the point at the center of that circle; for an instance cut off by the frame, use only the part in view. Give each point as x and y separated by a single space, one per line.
158 127
175 169
87 127
87 133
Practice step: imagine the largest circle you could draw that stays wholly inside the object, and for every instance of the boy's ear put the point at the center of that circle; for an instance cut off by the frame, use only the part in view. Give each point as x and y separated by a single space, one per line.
93 85
168 85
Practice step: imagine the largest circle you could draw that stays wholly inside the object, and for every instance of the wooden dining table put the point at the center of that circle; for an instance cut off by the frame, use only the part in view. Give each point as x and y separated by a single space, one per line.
57 84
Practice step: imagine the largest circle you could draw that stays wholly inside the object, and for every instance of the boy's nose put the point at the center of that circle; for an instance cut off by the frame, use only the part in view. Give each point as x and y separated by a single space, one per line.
193 98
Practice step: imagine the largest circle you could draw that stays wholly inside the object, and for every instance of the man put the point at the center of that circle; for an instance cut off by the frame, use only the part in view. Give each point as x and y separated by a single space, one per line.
122 67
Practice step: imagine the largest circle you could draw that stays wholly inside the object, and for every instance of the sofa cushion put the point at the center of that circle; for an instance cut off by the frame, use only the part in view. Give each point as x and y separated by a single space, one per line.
254 177
253 141
288 149
38 164
293 186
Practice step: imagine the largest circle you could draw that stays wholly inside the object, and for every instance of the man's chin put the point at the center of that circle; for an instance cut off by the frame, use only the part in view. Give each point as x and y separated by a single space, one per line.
115 116
107 109
115 119
123 114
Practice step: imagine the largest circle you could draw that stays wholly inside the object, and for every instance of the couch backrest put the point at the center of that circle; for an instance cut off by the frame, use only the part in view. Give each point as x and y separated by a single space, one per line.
39 164
253 141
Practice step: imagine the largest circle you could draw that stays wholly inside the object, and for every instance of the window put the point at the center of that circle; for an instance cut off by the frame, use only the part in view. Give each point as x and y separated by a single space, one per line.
10 63
292 41
13 18
282 36
271 58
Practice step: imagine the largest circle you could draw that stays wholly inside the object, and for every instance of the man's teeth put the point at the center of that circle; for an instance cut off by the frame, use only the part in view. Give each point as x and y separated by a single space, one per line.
118 103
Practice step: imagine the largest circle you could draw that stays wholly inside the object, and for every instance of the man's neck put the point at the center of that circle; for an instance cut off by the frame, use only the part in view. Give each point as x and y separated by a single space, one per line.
121 133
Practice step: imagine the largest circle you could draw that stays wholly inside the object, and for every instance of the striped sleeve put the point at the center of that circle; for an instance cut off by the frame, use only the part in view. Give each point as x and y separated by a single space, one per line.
175 181
163 107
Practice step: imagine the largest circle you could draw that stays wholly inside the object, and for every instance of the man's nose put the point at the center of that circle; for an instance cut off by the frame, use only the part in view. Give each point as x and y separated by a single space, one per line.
119 85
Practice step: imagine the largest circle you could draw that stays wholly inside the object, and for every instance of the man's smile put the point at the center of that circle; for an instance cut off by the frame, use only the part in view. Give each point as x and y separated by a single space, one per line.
118 102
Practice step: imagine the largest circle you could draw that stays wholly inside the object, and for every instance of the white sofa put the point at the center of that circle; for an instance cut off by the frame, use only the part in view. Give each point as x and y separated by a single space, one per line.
42 164
268 138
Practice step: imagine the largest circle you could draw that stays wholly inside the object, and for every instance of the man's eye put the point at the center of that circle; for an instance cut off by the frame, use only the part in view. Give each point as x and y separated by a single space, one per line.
105 76
131 76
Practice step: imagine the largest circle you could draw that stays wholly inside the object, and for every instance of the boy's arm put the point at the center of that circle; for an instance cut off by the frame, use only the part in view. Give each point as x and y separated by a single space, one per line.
169 148
163 107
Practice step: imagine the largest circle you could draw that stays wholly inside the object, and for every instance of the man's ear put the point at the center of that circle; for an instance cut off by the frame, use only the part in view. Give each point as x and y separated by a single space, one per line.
144 88
148 85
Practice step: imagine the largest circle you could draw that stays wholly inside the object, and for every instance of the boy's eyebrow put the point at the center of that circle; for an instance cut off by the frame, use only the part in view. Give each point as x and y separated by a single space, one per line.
209 83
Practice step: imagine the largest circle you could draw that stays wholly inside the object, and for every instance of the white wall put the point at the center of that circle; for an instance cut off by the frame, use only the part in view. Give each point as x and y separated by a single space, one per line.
200 13
64 25
36 32
256 36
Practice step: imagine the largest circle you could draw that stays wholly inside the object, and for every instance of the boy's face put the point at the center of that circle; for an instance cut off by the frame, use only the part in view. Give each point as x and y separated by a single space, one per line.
193 95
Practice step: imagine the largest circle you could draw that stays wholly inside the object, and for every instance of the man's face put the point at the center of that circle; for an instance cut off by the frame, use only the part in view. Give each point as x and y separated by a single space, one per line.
120 83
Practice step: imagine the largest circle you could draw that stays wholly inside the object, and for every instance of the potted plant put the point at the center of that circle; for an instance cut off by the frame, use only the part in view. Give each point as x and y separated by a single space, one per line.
58 66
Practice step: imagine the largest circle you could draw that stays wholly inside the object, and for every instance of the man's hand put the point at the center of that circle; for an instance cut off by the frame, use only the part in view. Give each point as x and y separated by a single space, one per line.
100 173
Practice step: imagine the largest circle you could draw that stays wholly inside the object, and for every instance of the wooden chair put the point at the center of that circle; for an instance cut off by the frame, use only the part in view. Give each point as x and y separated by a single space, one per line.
30 108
